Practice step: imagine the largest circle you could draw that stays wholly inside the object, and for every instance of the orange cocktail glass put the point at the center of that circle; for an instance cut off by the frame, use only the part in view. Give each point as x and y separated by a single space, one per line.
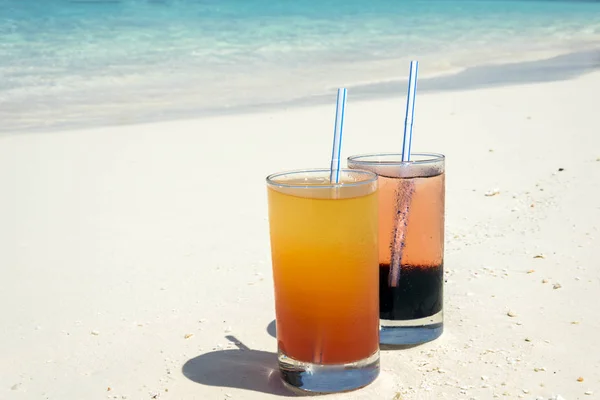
324 246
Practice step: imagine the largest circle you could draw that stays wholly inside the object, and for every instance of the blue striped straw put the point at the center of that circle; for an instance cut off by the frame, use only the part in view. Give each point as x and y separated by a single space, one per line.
334 176
410 110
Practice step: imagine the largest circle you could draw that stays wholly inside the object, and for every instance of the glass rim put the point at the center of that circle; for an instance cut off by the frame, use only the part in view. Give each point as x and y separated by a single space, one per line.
372 177
432 158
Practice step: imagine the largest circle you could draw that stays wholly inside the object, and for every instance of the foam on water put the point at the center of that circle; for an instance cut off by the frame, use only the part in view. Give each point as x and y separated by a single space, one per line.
89 62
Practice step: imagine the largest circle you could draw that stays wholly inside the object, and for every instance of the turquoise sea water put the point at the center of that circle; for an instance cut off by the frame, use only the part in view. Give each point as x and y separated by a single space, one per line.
77 62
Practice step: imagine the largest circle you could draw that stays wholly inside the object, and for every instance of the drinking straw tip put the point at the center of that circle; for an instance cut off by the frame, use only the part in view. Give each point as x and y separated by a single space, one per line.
410 110
337 135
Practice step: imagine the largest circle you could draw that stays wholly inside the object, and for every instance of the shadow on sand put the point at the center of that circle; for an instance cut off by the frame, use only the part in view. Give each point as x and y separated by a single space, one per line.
272 329
241 368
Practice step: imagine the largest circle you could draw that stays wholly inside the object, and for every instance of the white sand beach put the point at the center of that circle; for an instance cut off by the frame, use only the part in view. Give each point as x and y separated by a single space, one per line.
135 260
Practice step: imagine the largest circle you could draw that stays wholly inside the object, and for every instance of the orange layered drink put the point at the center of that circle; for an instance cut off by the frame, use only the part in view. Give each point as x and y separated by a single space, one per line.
324 246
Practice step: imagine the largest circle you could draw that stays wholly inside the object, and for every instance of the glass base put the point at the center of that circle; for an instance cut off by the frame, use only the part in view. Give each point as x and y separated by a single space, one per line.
302 377
411 332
